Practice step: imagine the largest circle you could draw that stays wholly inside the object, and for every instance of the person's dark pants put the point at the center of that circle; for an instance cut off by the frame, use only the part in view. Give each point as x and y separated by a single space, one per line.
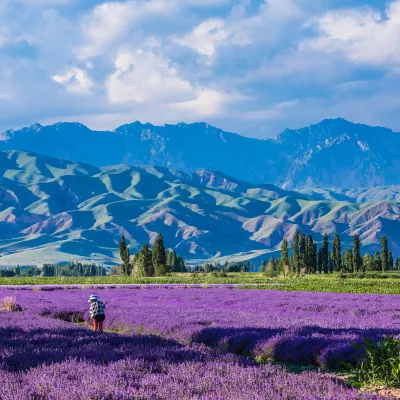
98 322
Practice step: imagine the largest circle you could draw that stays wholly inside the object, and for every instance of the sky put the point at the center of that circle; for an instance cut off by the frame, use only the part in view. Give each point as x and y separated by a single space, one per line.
246 66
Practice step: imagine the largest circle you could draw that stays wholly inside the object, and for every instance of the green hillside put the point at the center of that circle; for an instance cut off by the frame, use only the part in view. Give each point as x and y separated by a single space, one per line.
53 210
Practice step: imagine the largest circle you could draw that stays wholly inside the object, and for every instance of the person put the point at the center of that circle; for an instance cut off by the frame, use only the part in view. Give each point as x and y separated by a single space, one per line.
97 314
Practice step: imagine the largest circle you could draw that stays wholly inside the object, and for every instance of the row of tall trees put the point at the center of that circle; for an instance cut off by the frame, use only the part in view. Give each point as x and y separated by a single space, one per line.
156 261
240 266
307 258
70 269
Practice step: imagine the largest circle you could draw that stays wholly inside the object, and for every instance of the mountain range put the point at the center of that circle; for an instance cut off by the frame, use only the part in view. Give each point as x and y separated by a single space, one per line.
333 153
53 210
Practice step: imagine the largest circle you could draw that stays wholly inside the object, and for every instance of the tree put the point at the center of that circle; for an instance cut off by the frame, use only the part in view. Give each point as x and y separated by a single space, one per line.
159 260
311 255
296 259
182 265
314 256
144 263
135 262
348 260
285 252
270 271
385 254
125 256
303 252
17 270
337 255
357 260
325 254
378 261
319 261
391 264
368 262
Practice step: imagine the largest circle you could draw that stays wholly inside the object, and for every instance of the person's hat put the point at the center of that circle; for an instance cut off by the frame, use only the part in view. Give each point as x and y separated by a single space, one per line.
93 298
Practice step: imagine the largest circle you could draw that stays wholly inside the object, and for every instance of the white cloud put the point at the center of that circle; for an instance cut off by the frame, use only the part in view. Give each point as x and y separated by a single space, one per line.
144 76
75 80
208 102
211 34
264 27
363 35
109 23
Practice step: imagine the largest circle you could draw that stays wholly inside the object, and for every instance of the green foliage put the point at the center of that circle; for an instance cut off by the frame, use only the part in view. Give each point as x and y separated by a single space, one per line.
325 254
348 261
337 254
271 269
159 259
285 252
380 364
125 257
296 256
385 254
303 252
143 263
357 260
319 261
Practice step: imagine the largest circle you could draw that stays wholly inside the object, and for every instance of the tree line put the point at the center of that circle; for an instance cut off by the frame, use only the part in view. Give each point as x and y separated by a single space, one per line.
240 266
155 261
75 269
307 258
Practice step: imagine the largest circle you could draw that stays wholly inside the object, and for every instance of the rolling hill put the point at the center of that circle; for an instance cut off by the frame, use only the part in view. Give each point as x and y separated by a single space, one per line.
333 153
53 210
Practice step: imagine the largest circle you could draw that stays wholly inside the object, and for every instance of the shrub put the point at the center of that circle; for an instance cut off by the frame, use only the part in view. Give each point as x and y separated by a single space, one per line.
380 364
219 274
9 303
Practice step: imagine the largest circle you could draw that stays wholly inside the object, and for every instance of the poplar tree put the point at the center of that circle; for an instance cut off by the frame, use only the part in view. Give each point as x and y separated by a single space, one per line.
125 256
391 263
159 260
385 254
378 261
285 252
295 248
348 260
357 260
303 252
337 256
325 254
314 257
144 264
319 261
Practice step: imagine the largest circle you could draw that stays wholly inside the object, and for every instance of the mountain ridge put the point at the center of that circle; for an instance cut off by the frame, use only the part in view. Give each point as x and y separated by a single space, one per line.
334 152
54 210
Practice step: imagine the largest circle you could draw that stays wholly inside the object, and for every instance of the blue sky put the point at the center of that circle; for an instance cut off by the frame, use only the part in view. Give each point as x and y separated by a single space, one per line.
252 67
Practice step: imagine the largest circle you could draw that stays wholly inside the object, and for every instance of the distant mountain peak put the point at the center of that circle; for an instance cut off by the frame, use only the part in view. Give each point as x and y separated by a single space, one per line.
334 152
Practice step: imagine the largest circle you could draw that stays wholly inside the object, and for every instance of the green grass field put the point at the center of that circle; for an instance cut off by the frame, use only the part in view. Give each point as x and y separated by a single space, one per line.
380 284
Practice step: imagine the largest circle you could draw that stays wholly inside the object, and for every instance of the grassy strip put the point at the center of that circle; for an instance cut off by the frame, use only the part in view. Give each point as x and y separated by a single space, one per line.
336 285
125 280
330 283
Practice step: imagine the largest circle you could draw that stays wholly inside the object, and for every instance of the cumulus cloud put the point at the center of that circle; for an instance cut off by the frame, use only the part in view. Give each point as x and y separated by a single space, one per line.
110 22
247 65
364 36
75 80
145 76
242 30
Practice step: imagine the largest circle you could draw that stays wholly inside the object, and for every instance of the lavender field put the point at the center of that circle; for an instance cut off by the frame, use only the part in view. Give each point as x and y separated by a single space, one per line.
186 343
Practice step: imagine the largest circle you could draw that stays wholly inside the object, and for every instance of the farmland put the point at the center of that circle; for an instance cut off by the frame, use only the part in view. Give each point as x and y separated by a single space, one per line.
370 283
209 343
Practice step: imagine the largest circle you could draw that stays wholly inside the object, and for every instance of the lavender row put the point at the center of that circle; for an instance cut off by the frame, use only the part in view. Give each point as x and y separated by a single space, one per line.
48 359
297 328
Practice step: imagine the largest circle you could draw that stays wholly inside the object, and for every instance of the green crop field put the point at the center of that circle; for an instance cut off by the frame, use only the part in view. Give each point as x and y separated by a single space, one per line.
383 284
